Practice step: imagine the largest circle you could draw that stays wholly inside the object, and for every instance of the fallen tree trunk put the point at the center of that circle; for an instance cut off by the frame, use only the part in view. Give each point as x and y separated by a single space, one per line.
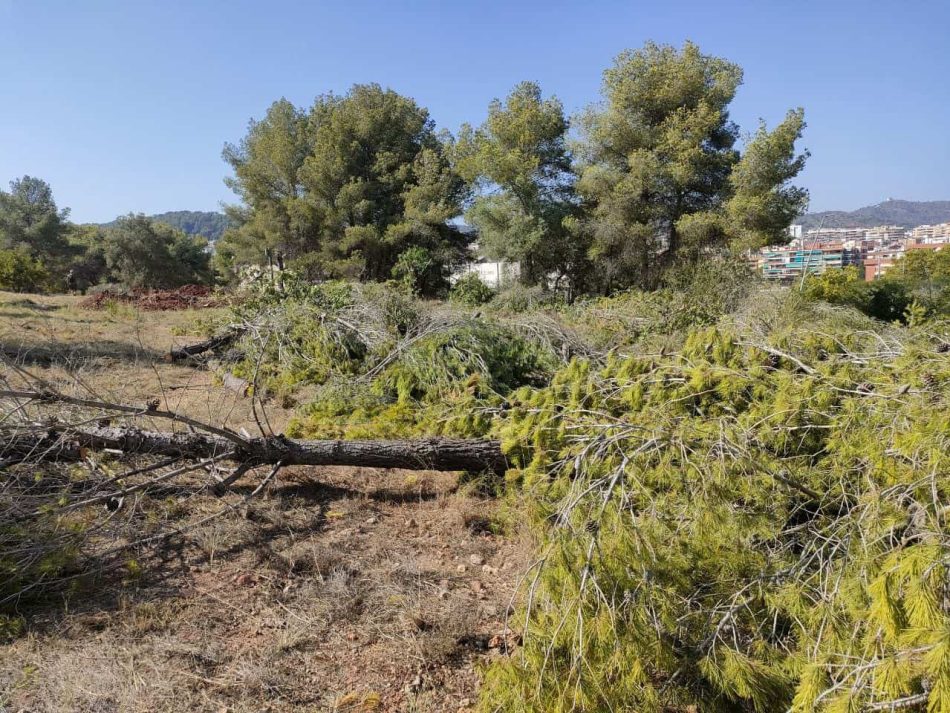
68 444
216 342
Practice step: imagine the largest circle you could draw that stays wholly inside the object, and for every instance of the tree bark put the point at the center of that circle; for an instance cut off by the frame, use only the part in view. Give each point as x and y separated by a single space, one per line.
423 454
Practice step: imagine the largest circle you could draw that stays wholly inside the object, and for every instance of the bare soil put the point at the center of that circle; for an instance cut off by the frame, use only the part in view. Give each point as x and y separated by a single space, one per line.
335 590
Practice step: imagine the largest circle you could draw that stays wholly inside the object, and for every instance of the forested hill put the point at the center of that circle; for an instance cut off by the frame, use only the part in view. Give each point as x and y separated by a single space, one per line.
908 214
209 224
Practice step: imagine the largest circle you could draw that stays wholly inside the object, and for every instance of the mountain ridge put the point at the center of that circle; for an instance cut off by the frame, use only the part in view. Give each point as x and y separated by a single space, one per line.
907 214
209 224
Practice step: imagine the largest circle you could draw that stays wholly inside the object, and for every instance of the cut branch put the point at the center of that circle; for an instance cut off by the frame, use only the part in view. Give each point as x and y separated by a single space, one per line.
214 343
147 410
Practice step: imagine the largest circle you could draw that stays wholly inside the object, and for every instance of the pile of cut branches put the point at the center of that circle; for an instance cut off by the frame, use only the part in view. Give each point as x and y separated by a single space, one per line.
756 522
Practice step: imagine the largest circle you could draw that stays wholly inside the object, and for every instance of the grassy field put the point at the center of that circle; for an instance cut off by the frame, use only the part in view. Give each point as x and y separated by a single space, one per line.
337 590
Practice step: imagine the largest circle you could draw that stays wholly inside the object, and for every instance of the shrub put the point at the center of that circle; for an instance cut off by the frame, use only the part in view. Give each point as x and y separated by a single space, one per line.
886 300
518 299
469 290
452 382
19 272
419 272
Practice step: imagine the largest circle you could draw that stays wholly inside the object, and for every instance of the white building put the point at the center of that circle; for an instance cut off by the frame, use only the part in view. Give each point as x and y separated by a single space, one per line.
494 274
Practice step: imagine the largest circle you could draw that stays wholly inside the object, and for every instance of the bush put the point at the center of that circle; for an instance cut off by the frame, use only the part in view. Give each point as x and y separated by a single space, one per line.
886 300
19 272
451 382
419 272
469 290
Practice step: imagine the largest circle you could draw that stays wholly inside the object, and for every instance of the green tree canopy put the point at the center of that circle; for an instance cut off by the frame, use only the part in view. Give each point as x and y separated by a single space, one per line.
145 254
925 275
660 171
30 219
519 160
266 165
346 187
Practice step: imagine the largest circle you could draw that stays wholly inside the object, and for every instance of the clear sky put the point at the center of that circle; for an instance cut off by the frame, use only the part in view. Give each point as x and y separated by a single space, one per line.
124 105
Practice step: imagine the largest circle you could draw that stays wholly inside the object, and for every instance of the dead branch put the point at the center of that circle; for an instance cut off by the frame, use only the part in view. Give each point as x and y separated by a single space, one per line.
148 410
216 342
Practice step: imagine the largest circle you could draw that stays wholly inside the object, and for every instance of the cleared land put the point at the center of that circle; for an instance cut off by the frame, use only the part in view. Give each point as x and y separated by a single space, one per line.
339 589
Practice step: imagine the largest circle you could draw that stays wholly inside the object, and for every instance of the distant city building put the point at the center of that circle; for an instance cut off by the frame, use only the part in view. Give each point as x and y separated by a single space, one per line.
819 236
885 234
789 263
931 233
875 249
877 262
795 231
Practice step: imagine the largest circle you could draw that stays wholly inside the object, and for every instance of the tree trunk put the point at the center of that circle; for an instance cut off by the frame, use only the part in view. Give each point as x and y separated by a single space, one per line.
447 454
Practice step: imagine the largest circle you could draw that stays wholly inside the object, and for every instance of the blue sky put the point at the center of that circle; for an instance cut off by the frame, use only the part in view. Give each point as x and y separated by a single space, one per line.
125 106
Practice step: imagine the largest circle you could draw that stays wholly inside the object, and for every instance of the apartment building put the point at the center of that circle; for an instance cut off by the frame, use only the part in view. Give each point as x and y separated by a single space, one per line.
877 249
884 234
880 260
939 233
820 236
789 263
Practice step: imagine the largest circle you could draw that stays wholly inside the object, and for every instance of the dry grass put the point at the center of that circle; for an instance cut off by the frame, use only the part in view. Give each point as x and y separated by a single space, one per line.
336 590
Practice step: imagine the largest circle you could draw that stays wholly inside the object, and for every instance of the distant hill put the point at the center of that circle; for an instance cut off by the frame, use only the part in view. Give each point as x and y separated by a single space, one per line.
209 224
907 214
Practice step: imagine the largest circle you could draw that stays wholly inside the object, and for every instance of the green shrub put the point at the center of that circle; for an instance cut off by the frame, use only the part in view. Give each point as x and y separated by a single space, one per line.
419 272
469 290
518 299
19 272
886 300
452 382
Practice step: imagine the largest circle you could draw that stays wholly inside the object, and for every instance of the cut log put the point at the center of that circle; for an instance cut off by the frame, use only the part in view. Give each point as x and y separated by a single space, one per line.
217 342
67 444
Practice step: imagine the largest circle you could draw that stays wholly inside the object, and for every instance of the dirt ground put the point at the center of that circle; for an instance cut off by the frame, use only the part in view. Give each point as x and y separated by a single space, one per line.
335 590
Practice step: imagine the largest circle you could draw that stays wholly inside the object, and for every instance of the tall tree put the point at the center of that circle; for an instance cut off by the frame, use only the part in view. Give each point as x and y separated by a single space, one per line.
346 187
30 219
659 164
519 161
266 165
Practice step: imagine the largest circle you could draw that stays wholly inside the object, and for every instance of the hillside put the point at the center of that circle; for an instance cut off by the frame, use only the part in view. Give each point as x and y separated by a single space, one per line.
908 214
209 224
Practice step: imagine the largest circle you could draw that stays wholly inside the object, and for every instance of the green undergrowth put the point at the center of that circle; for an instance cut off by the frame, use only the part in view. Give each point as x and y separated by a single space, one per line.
381 364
